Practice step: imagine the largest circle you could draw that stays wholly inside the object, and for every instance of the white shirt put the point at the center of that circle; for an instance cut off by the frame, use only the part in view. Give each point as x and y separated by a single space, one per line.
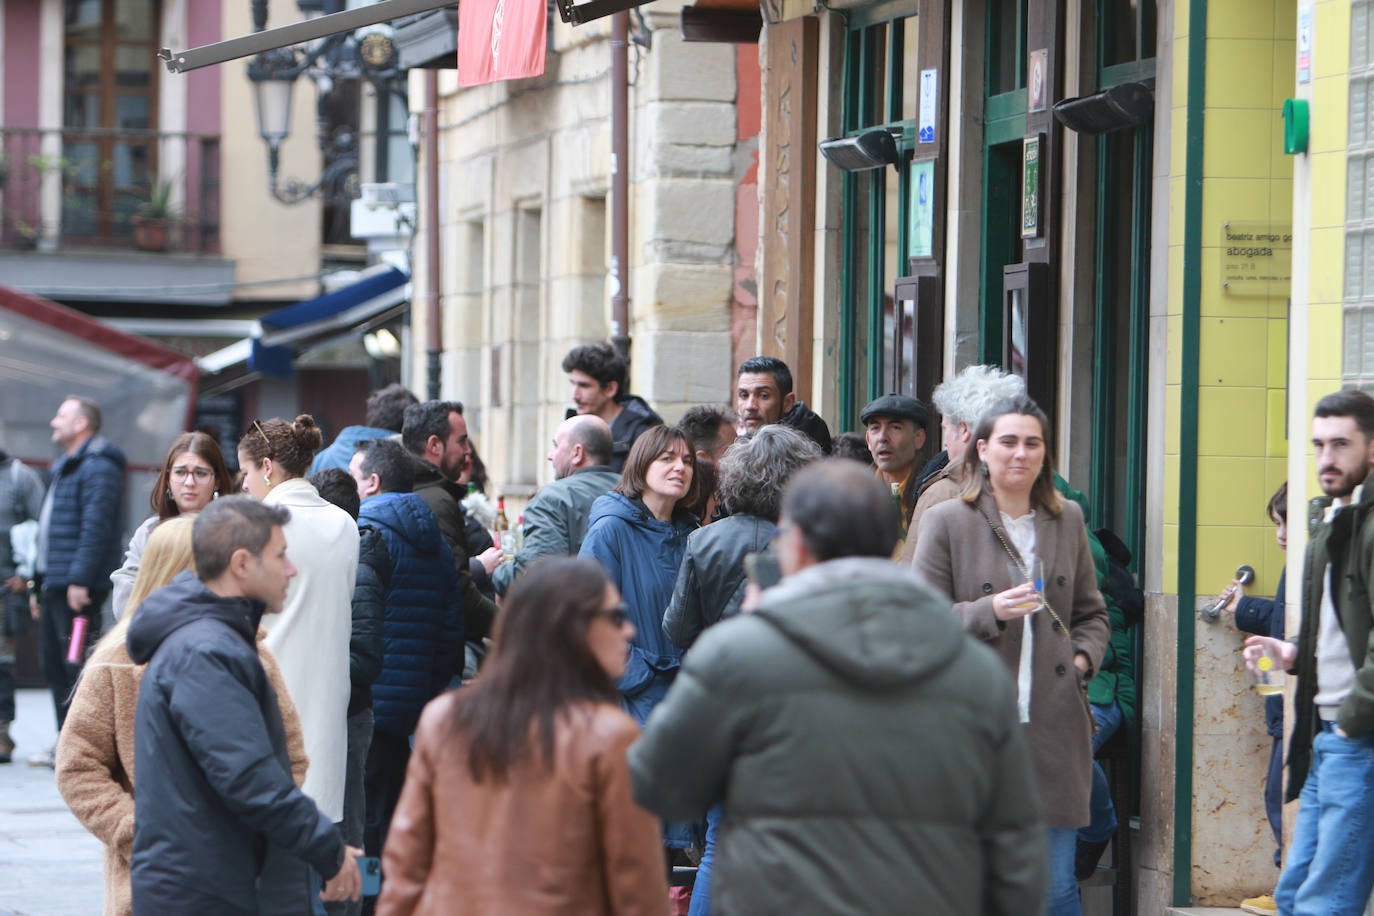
1022 533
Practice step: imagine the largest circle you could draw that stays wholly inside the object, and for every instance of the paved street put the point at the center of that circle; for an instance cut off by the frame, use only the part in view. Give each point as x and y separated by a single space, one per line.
49 864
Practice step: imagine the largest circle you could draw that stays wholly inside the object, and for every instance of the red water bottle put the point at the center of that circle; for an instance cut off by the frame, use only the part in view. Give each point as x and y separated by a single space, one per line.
76 648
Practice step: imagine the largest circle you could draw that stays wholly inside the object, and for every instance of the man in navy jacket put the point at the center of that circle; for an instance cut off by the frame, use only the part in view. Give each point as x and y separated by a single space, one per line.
423 626
79 541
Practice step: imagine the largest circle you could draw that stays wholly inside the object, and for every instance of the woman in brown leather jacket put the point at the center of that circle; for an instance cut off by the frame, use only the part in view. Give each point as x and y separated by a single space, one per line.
517 797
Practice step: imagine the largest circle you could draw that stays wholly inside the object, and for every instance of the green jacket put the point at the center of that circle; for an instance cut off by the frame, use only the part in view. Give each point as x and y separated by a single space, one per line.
1347 544
867 751
556 520
1115 680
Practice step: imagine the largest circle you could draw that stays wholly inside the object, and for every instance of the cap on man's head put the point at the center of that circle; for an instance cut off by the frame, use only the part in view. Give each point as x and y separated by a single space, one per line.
896 407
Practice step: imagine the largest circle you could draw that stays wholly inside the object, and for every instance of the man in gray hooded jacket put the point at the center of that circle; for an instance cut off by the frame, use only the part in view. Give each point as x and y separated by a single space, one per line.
866 750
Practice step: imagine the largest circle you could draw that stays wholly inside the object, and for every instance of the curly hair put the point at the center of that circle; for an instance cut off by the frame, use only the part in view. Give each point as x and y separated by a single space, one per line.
601 362
291 446
970 394
755 470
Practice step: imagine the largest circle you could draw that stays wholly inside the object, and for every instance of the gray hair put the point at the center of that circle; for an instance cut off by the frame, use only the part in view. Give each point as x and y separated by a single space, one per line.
972 393
754 470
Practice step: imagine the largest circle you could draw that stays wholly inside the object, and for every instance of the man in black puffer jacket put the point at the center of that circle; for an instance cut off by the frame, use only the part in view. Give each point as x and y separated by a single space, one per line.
79 542
216 804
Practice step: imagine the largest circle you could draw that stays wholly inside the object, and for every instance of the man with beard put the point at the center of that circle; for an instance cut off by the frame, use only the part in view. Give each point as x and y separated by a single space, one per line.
1330 868
764 395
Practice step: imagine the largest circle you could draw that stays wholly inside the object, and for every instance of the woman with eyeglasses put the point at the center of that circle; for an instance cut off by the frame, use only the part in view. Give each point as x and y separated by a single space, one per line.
517 795
193 474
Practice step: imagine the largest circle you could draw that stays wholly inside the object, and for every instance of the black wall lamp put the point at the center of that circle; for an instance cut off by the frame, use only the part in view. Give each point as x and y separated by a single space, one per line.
1123 105
872 149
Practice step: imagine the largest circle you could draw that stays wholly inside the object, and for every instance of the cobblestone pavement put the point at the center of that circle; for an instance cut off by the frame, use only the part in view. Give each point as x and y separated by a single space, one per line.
49 864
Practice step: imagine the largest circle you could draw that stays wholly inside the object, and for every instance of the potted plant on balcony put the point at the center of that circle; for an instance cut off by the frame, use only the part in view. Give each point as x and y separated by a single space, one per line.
153 220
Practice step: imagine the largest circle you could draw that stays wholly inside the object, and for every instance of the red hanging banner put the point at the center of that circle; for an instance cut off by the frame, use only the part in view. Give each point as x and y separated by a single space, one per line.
501 40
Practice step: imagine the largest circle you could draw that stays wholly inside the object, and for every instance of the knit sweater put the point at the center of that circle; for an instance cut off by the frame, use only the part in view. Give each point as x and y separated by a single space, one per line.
95 757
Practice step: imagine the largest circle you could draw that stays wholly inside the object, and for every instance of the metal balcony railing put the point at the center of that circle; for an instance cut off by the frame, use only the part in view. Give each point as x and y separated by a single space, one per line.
99 188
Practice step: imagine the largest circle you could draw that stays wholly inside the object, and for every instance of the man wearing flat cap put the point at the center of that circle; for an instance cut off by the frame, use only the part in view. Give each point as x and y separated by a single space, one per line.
895 427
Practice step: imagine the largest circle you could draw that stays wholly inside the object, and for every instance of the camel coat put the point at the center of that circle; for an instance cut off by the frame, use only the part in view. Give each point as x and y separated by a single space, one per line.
959 554
571 842
95 757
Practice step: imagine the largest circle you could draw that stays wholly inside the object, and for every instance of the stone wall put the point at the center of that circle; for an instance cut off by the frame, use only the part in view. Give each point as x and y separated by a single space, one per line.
526 216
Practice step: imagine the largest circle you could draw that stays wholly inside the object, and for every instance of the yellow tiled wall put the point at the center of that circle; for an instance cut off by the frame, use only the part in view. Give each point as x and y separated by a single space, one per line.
1242 372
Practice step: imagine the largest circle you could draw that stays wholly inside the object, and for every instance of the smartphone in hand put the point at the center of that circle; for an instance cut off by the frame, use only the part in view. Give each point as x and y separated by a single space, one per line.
370 867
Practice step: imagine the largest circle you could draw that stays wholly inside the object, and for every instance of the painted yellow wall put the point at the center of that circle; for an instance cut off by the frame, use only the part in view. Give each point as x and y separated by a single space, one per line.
1242 371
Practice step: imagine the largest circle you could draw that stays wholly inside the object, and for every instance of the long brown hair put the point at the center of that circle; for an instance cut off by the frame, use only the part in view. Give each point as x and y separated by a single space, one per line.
541 666
1043 495
204 447
654 441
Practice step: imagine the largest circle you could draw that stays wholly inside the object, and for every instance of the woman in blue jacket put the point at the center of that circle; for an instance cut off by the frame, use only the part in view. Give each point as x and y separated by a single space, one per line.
638 532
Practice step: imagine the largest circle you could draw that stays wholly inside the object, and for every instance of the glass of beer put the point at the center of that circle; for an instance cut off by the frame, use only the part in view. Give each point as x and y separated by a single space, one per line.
1268 674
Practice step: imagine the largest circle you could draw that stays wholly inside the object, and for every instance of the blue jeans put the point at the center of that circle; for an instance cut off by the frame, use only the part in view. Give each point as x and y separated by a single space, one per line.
1331 863
1103 823
1061 897
1273 798
701 890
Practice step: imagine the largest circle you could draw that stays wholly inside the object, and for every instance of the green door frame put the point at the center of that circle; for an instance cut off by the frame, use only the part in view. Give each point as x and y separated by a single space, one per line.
868 107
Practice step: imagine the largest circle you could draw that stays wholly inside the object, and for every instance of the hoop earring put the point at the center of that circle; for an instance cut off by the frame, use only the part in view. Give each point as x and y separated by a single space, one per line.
267 479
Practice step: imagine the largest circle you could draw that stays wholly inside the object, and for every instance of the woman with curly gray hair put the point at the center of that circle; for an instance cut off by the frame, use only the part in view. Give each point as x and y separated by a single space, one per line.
711 581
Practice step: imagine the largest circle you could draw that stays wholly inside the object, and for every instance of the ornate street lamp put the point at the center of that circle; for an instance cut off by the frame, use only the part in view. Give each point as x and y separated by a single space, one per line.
336 58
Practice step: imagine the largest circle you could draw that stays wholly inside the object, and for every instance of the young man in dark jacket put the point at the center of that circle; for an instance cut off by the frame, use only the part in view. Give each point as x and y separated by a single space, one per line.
422 629
216 806
794 708
601 387
79 540
764 395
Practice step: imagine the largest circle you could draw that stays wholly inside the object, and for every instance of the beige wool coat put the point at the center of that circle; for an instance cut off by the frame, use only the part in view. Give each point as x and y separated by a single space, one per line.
959 554
95 757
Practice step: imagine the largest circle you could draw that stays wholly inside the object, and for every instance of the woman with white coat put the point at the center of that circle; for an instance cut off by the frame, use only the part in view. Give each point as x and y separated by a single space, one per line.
310 636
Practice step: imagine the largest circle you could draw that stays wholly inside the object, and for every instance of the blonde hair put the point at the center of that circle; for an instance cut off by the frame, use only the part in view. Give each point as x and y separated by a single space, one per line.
167 554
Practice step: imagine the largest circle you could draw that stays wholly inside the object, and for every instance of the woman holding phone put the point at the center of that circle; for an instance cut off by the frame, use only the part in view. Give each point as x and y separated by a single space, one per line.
1051 629
517 797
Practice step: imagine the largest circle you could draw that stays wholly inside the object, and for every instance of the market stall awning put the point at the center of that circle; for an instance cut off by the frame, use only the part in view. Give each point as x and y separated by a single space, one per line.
373 297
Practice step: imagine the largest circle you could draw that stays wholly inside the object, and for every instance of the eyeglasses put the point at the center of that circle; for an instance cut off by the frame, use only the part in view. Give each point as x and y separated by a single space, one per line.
618 615
202 475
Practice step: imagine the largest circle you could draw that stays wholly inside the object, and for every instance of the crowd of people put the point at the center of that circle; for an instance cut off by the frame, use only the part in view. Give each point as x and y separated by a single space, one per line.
835 675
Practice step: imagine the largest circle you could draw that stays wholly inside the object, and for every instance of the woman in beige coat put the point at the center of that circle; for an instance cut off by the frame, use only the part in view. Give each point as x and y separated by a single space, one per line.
1052 637
95 752
517 797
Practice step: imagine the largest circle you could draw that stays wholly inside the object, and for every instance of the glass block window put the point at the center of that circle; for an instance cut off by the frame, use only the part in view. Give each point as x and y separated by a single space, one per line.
1359 200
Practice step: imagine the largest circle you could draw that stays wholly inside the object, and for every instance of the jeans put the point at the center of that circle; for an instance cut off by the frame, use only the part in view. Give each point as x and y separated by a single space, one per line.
1331 862
354 810
1061 897
1273 798
384 775
1103 823
701 890
6 679
55 631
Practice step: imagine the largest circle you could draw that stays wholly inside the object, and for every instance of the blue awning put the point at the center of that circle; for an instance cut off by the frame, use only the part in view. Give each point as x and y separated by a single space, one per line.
280 335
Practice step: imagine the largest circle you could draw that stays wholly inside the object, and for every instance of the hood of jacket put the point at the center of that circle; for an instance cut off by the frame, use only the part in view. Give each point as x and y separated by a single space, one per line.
618 505
407 516
96 447
870 621
806 421
183 601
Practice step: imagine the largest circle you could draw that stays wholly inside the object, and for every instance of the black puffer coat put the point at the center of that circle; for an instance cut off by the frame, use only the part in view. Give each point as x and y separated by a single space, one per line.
214 779
369 610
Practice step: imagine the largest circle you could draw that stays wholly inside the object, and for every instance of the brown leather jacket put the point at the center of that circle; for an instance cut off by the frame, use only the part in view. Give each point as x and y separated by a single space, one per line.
569 840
